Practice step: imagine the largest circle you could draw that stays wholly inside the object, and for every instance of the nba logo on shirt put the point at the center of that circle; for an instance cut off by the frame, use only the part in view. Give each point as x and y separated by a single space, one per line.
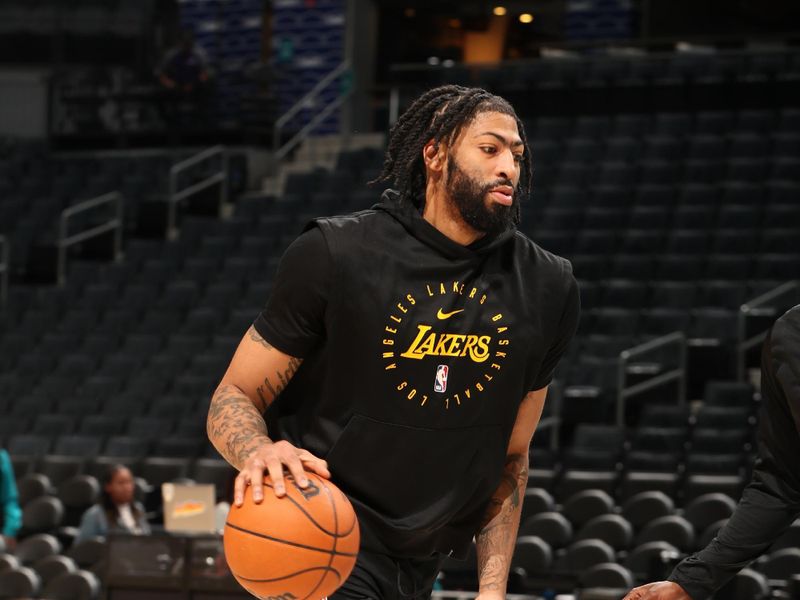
440 385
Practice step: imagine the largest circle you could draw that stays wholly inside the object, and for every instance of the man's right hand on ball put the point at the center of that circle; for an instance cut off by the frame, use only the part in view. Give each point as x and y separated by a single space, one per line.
272 458
661 590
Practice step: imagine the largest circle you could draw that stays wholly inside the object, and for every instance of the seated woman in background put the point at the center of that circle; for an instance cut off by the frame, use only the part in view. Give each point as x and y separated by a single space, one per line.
117 511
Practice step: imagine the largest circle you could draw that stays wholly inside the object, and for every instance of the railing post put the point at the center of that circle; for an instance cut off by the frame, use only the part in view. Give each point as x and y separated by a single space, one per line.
311 125
118 231
61 259
683 356
282 149
173 192
175 196
64 241
622 365
741 332
677 374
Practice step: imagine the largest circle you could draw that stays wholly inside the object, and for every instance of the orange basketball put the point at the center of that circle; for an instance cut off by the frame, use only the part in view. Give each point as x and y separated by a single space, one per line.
299 547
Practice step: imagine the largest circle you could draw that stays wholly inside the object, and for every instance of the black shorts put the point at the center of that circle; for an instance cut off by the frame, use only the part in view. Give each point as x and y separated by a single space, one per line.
382 577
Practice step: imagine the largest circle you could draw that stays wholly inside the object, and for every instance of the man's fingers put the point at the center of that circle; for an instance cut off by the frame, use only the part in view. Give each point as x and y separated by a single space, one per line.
296 469
636 593
275 469
317 465
256 479
238 488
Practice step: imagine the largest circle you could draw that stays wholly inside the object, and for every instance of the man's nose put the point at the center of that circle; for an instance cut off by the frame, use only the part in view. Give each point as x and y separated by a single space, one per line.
506 166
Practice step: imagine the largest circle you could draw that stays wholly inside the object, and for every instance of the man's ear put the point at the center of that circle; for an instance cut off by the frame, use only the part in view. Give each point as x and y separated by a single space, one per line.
434 156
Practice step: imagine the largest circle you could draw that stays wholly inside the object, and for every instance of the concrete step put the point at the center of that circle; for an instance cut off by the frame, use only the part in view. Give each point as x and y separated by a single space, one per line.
319 152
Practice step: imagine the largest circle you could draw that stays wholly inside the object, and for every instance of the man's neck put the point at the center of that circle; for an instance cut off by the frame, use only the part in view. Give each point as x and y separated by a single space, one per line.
440 212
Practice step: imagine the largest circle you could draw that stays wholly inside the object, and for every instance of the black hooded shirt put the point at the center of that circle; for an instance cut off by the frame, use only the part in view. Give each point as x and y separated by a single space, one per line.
771 501
417 352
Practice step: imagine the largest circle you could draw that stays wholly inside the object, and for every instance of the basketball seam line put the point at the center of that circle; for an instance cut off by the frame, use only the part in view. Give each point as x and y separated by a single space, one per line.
274 539
291 575
334 534
335 539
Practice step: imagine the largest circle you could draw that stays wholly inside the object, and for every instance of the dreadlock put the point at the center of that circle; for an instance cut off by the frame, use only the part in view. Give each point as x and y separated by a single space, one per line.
439 115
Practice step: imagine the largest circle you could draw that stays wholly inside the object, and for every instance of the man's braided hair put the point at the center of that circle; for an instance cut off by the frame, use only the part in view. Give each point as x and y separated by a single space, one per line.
440 115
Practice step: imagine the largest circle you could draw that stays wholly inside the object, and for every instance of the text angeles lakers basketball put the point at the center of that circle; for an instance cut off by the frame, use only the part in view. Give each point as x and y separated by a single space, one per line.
440 336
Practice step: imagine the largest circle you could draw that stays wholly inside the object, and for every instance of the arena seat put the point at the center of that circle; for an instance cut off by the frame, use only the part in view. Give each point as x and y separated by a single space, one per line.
537 500
615 530
699 484
789 539
74 585
52 566
533 555
552 527
58 468
651 561
582 555
747 584
672 529
781 564
35 547
20 582
646 506
605 581
583 506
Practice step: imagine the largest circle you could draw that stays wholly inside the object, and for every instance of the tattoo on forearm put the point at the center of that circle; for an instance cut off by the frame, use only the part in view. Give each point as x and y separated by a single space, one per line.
235 425
498 531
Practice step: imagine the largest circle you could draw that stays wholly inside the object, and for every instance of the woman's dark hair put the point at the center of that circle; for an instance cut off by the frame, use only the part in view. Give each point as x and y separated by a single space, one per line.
111 509
439 115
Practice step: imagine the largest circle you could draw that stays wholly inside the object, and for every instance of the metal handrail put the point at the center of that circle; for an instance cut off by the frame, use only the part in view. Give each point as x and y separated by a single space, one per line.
756 308
311 125
4 268
341 69
218 177
65 240
678 374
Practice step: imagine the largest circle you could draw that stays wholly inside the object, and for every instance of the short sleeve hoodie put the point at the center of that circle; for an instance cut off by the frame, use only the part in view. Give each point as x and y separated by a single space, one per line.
417 352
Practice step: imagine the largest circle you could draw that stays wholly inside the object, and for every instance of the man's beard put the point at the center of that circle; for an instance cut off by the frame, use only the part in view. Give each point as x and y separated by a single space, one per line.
469 197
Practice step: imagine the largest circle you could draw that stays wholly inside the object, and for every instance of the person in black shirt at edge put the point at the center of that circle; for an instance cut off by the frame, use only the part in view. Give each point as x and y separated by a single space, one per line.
771 501
405 352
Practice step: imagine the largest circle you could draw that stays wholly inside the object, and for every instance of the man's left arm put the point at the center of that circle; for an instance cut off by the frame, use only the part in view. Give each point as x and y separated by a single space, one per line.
498 532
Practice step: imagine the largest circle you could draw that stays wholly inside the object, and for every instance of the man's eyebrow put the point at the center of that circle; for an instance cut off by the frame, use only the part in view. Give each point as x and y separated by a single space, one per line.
517 142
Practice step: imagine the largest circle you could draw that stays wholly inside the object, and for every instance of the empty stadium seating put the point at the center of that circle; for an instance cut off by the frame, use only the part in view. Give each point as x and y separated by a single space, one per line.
671 220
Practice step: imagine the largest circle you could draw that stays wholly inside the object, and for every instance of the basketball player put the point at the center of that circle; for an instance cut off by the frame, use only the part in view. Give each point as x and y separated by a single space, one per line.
406 351
771 502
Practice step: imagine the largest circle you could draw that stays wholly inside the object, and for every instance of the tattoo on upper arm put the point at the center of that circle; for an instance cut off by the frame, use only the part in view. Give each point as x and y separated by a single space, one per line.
498 531
256 337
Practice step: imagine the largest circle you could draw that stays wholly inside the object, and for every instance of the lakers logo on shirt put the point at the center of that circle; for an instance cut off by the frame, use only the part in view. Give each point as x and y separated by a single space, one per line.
430 343
449 321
